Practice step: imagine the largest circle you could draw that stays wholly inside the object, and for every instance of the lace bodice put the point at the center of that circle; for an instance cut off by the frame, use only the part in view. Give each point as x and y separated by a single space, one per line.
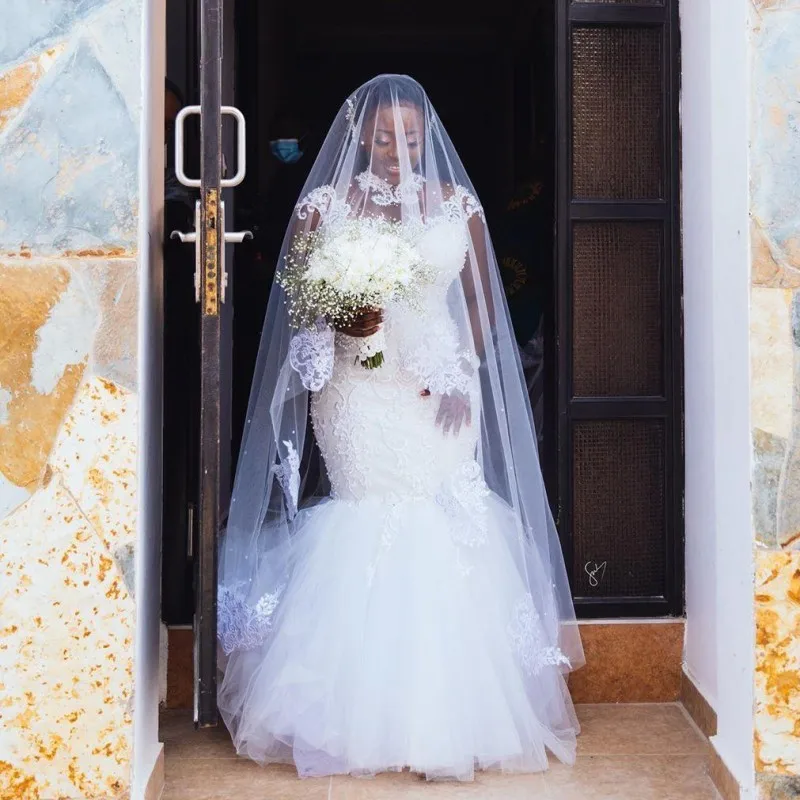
377 434
424 344
426 340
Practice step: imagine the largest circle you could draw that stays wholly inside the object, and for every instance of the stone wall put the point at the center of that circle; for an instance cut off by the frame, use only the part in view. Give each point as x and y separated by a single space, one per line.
70 110
775 394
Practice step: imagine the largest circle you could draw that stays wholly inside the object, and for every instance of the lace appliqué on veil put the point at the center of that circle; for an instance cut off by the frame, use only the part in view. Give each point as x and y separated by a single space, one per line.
462 205
324 201
311 354
241 625
288 475
527 639
383 193
350 117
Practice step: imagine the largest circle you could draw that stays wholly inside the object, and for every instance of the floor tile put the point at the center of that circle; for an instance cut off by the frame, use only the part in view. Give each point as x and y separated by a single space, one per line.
181 740
238 779
405 786
673 777
631 729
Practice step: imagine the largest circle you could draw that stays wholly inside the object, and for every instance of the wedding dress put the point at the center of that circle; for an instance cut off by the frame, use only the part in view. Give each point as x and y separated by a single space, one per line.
408 619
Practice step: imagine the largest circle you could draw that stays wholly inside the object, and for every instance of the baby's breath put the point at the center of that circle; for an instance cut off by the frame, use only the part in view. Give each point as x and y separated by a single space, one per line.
362 263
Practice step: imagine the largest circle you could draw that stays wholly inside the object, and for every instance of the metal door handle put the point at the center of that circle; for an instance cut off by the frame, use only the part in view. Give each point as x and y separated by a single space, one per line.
233 237
192 183
238 238
241 147
186 238
191 238
190 531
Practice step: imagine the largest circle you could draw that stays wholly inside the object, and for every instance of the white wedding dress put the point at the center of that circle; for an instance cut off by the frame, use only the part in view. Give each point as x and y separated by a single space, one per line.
405 636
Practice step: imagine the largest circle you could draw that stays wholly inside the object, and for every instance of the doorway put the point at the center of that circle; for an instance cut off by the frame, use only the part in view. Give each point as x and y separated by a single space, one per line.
565 116
490 80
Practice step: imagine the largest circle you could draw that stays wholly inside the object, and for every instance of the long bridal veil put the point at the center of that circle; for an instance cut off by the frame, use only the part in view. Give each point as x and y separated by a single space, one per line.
472 349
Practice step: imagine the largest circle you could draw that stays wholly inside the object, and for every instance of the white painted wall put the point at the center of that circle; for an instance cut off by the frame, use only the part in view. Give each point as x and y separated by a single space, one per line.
146 747
701 577
719 544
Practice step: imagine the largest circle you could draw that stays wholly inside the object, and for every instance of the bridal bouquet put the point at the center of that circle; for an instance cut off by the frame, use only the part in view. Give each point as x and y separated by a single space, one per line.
362 263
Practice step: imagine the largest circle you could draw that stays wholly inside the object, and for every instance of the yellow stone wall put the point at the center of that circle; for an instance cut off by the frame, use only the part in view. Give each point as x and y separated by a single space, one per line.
775 387
70 107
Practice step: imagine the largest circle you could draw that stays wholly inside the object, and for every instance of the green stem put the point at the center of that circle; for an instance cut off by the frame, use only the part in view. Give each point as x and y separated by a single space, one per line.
373 362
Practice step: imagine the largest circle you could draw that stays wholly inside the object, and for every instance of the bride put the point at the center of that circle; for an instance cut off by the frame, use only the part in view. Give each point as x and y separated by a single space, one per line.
392 592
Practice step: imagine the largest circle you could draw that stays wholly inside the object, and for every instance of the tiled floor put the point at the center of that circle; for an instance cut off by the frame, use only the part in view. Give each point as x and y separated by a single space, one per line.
625 752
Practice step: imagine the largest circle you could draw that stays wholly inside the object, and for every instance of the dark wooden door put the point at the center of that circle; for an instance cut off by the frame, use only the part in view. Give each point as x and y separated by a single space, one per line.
620 463
222 167
211 249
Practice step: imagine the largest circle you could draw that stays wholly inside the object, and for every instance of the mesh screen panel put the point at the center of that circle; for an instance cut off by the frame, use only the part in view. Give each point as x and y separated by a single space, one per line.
617 113
619 512
617 326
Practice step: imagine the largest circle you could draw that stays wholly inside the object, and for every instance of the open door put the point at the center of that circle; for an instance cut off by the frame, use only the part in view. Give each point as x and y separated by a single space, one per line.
214 292
620 507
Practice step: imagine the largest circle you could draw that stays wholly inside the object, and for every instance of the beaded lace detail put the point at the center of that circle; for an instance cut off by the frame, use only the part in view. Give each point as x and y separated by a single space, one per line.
383 193
311 356
528 640
288 475
242 625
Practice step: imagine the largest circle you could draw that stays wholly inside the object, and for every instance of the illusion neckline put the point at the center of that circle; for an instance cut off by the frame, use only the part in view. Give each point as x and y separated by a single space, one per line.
383 193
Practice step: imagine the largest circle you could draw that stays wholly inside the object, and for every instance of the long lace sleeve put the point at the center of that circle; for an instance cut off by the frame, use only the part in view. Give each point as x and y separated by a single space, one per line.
444 360
438 360
311 354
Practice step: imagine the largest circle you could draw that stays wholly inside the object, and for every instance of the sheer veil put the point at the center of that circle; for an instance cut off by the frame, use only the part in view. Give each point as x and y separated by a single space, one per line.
469 352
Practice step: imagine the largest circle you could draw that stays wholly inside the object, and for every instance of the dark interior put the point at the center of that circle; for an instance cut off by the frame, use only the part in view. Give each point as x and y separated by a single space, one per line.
491 79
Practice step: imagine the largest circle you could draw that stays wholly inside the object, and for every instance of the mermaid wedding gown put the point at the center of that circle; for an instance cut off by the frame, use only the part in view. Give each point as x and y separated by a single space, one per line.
405 636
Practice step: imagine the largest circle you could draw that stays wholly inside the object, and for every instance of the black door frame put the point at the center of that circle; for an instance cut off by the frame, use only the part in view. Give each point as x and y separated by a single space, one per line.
668 408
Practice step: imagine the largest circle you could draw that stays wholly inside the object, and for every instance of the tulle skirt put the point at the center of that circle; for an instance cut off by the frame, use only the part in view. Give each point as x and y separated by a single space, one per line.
394 647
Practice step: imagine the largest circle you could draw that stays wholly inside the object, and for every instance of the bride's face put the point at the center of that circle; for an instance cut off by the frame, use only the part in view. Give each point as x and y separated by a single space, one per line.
387 147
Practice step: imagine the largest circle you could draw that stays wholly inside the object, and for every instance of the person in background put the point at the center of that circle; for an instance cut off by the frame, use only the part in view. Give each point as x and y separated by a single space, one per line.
178 199
289 139
524 246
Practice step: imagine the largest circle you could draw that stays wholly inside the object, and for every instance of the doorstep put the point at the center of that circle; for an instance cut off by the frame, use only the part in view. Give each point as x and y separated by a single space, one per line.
627 661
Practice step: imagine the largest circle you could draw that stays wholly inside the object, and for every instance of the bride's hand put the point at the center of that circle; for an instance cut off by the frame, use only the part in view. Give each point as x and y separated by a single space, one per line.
454 411
365 324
